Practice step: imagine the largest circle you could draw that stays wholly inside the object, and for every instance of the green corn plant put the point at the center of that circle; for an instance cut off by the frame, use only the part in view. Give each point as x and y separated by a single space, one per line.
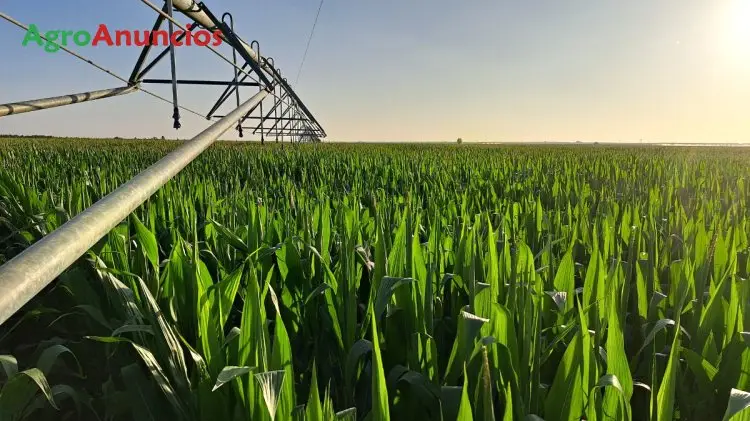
362 282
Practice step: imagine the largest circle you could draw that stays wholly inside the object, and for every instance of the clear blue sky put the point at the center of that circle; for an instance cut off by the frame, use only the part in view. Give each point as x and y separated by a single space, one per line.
409 70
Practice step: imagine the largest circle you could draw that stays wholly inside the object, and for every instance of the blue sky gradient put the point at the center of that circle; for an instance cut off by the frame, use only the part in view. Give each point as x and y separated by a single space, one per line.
409 70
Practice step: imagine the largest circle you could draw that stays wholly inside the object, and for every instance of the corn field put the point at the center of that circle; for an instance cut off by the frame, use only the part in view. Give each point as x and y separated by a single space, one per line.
379 282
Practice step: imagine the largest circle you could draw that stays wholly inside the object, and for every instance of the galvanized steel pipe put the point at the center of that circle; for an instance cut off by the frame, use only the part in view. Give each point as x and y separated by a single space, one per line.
28 273
59 101
192 10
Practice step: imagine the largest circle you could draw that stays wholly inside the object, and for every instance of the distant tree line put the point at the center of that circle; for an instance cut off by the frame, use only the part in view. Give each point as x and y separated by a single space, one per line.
44 136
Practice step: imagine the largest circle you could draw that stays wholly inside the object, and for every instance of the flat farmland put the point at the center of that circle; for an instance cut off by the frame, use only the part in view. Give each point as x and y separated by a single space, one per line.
383 281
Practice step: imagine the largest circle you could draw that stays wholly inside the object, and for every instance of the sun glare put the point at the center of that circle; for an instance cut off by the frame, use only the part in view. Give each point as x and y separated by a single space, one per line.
738 30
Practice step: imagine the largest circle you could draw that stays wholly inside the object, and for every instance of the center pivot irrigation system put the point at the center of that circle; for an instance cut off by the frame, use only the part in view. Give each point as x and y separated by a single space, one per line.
285 116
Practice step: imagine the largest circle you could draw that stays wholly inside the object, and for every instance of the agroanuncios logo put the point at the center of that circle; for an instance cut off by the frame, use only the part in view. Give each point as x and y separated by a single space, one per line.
120 37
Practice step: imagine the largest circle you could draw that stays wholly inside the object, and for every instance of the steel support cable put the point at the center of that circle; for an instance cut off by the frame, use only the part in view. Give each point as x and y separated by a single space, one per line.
213 50
84 59
179 25
199 16
309 39
28 273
